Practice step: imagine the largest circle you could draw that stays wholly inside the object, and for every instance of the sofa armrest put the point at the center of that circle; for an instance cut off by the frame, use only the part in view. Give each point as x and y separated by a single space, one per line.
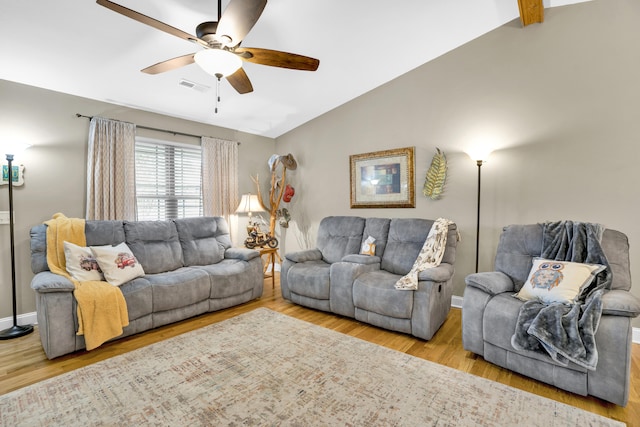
47 281
306 255
492 282
441 273
361 259
620 303
242 254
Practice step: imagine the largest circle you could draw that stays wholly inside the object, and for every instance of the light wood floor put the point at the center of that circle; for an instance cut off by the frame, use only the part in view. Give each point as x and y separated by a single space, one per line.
22 360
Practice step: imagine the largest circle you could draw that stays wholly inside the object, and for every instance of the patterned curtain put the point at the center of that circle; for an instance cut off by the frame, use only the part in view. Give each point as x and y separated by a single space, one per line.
219 177
111 170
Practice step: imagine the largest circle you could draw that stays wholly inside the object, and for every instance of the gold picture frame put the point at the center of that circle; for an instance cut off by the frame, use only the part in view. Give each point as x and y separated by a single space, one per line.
383 179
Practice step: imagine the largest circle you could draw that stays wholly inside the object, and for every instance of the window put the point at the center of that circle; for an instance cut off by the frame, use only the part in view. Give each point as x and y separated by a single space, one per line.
168 180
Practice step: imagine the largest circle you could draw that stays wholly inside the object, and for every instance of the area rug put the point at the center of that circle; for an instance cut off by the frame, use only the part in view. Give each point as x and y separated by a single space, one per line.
265 368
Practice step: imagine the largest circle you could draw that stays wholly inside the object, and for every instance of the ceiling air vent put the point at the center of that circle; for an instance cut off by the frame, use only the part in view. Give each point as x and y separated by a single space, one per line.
192 85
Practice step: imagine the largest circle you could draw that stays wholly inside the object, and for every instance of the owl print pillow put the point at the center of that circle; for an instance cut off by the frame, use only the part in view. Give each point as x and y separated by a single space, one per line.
557 281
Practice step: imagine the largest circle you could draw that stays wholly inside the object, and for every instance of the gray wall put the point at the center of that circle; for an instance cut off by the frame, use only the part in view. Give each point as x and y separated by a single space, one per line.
55 165
558 101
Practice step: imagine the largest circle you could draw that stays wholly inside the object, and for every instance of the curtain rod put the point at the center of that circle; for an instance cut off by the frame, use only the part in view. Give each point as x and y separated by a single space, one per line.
150 128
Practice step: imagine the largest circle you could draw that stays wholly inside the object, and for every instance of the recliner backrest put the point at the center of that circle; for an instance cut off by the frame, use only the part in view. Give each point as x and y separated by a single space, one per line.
339 236
406 238
378 228
520 243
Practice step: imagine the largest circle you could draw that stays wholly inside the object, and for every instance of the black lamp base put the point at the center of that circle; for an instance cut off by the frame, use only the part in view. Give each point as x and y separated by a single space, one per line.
15 332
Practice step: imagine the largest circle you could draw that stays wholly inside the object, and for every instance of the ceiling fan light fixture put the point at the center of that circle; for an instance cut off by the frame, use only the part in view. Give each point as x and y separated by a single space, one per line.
218 62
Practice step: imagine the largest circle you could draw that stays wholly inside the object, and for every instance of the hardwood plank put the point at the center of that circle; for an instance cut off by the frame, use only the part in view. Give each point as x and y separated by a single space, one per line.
23 362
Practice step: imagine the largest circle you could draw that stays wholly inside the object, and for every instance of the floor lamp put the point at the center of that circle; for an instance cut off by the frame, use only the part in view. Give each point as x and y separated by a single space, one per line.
479 163
479 156
16 330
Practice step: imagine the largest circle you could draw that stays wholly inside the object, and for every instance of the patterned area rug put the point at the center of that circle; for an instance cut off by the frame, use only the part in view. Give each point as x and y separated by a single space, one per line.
265 368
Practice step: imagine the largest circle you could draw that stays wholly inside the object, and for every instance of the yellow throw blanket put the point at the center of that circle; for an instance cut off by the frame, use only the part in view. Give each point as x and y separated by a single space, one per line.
102 309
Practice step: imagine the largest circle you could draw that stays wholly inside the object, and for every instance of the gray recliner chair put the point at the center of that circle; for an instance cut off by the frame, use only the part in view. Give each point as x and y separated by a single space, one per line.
490 312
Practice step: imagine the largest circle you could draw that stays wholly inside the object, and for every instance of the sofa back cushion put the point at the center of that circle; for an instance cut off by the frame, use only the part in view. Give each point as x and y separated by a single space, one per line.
378 228
155 245
519 244
97 233
406 238
339 236
203 239
104 232
38 245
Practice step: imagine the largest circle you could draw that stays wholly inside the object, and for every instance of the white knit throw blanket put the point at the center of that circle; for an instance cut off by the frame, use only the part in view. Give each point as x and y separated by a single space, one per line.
430 255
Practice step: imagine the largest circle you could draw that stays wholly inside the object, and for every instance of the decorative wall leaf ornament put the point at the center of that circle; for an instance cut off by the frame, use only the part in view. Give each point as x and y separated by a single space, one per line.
436 176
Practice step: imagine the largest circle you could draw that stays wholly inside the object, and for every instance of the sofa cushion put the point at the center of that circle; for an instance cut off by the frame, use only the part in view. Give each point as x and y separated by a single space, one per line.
499 324
118 264
375 292
81 263
406 238
557 281
179 288
203 240
339 236
310 279
155 244
229 278
138 294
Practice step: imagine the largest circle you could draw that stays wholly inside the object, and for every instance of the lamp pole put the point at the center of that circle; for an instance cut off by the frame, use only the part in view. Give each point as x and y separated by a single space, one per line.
15 331
479 163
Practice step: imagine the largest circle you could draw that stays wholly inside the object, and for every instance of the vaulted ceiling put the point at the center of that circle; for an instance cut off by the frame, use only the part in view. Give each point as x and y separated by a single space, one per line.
84 49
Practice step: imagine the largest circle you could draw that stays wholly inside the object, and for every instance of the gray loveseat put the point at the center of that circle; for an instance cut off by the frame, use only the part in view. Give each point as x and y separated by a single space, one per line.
334 277
490 312
190 269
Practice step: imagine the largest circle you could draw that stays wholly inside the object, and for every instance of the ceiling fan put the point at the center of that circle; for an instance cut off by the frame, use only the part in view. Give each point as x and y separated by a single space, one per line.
222 55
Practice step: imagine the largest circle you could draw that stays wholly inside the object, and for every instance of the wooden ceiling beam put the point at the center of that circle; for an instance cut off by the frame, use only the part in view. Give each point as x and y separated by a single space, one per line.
531 11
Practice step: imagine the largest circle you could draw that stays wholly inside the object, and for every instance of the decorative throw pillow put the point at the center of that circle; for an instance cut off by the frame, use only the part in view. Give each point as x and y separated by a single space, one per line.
117 263
368 246
557 281
81 263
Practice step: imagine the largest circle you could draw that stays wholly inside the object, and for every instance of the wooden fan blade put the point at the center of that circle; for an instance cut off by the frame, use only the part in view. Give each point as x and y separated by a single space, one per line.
170 64
150 21
240 81
238 19
275 58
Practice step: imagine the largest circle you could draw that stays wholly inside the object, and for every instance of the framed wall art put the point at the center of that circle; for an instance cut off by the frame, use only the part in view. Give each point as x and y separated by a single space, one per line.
383 179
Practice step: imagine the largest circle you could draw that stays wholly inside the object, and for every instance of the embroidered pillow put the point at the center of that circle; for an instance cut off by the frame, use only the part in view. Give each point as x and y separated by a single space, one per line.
557 281
81 263
117 263
368 247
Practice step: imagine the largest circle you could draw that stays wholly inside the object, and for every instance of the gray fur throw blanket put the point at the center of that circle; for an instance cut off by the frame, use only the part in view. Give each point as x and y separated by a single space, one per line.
567 331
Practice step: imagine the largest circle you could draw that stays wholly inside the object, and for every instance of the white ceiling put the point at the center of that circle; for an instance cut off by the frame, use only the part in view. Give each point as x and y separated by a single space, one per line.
81 48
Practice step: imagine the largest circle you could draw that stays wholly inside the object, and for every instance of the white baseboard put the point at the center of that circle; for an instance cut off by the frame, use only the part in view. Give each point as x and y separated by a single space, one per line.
456 302
23 319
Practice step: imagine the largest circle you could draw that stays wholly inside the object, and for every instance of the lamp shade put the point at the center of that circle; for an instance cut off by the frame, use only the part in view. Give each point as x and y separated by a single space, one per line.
218 62
249 203
479 153
13 147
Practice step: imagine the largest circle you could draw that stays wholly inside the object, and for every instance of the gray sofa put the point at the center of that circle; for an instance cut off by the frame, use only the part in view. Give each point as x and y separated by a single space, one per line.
490 311
190 269
334 277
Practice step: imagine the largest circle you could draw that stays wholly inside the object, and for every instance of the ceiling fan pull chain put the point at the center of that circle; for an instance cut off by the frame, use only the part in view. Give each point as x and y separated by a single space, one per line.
218 76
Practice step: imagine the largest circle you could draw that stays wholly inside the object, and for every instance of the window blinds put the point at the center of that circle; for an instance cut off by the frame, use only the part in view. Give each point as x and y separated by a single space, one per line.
168 180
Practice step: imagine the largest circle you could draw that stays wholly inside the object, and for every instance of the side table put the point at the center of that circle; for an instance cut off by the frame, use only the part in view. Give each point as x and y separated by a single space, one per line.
272 254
